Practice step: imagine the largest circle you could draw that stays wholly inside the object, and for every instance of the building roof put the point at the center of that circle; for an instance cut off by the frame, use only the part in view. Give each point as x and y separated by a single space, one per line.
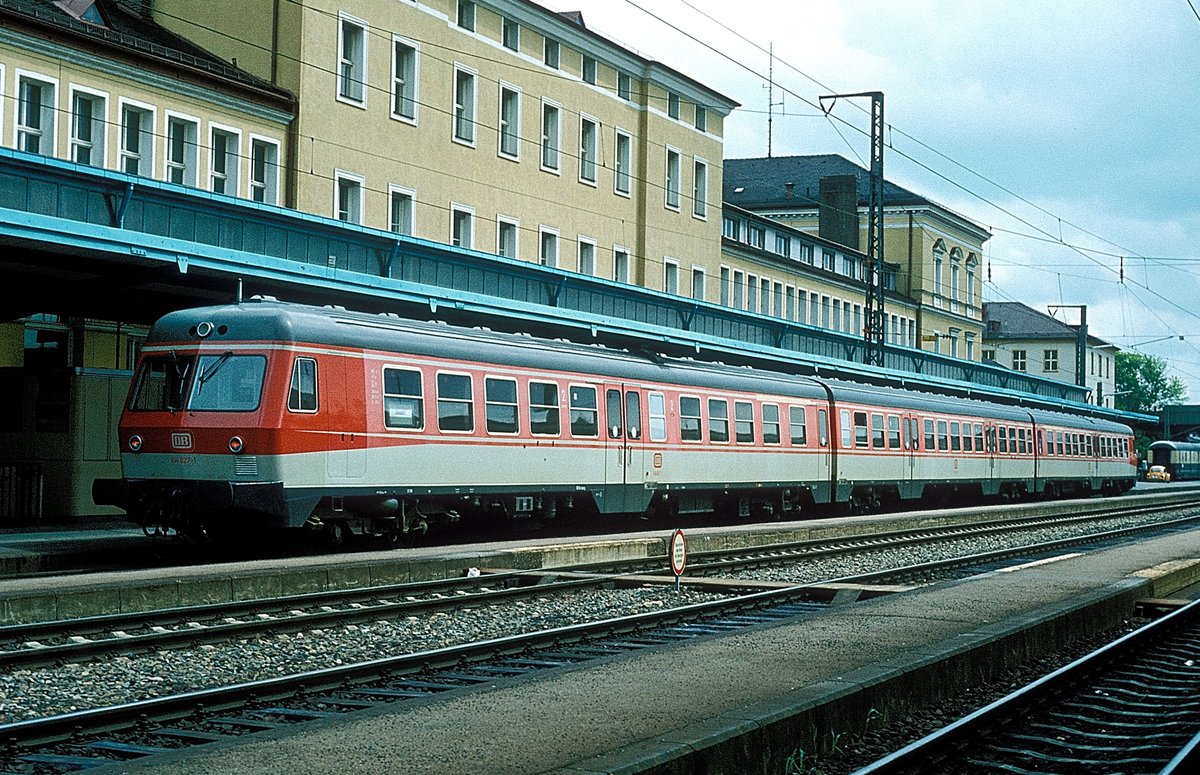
1012 320
763 183
125 29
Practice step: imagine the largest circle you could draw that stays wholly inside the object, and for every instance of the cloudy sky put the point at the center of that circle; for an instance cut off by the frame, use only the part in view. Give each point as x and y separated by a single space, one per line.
1071 129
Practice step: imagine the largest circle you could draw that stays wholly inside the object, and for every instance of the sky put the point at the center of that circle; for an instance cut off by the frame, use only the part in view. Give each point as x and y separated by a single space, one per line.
1069 129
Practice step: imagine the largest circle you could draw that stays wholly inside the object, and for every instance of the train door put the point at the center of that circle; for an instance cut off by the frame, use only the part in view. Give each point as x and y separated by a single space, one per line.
623 464
911 444
826 462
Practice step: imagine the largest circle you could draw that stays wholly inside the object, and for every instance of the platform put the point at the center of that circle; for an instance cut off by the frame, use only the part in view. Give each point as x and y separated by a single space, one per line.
740 703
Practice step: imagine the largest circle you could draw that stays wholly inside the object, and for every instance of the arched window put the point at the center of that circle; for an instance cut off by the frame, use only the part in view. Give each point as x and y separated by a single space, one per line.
955 275
939 255
972 266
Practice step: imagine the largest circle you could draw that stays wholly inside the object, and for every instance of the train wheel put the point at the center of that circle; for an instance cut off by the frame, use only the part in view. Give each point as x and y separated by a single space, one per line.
336 534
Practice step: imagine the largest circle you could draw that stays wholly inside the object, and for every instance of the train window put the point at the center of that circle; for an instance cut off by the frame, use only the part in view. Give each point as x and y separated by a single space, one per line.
585 416
847 431
968 439
718 420
797 431
1075 445
657 409
823 427
689 418
943 436
893 432
403 399
1058 443
955 437
1003 439
978 437
914 433
877 431
743 415
860 429
633 413
227 383
1041 441
160 383
302 397
770 423
500 396
456 410
543 409
930 442
613 407
1026 447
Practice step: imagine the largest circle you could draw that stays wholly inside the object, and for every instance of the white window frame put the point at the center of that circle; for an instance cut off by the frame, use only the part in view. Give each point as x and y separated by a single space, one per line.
701 122
699 188
270 186
624 86
340 92
672 196
191 161
589 157
504 125
674 101
98 146
699 282
412 84
235 176
623 168
506 24
586 244
584 75
47 132
361 182
457 210
670 276
399 193
465 15
551 53
504 220
464 112
543 258
548 143
622 260
146 159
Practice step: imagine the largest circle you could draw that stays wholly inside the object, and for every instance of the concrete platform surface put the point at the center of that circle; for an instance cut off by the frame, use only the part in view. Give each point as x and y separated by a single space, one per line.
745 701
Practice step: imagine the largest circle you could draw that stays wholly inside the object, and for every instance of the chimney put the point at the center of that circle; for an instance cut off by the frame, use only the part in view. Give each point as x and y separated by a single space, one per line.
837 212
791 190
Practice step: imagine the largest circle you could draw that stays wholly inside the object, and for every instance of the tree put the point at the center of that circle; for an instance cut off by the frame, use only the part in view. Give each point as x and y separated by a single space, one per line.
1143 384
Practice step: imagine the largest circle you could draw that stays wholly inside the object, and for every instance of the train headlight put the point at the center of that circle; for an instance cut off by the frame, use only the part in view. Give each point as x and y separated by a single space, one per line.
135 443
236 444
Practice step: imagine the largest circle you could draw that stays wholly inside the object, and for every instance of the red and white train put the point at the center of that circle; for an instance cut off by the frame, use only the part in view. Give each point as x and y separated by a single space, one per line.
272 415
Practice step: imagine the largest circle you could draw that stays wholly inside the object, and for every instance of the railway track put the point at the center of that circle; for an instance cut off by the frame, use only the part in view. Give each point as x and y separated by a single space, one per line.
55 642
1132 706
142 728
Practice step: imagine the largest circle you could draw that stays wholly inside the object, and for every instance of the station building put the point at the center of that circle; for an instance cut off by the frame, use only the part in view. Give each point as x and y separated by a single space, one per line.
1031 342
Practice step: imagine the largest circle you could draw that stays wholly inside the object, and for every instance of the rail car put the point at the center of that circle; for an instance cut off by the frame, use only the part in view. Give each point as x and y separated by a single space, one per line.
266 415
1180 458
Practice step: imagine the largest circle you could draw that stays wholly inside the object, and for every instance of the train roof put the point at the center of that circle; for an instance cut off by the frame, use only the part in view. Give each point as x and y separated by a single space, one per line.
1182 446
271 321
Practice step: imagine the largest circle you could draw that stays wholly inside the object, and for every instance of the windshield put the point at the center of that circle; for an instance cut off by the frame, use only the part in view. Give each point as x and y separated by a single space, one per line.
211 383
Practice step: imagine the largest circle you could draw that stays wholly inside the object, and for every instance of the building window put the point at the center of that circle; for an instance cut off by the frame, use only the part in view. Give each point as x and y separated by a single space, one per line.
401 207
89 126
551 140
622 163
264 171
756 236
587 256
971 281
404 79
462 226
466 15
137 140
806 254
671 276
700 188
739 290
511 36
547 247
673 104
506 237
731 228
550 53
620 265
827 260
955 271
589 132
223 161
464 106
510 122
625 86
989 355
698 278
726 280
36 118
672 183
1019 361
701 118
1050 360
783 245
589 69
349 199
970 345
938 256
352 61
182 150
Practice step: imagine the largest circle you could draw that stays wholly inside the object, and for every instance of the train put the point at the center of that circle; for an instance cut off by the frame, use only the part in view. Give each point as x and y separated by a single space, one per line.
267 415
1181 459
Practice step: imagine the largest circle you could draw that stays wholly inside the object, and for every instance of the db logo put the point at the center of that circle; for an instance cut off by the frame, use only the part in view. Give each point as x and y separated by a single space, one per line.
181 440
